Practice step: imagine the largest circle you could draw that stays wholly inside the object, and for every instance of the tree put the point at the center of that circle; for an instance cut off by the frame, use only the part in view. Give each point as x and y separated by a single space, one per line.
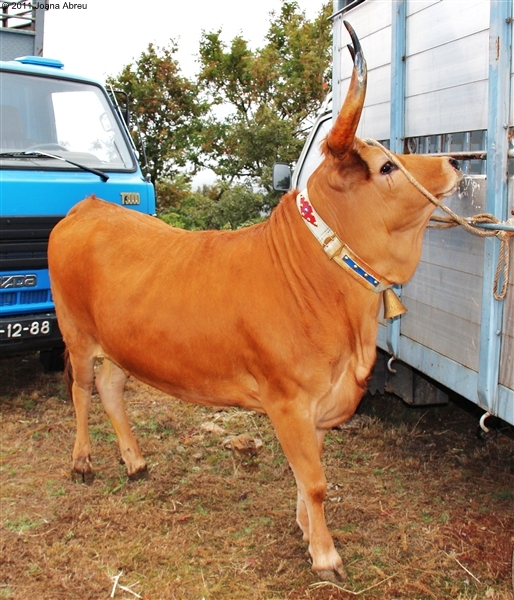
220 206
273 93
166 110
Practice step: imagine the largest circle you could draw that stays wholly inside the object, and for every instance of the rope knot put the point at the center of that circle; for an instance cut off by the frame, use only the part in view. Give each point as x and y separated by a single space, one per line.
504 236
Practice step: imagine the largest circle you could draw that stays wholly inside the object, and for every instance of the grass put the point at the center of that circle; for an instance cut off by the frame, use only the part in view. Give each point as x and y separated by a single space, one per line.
419 507
21 524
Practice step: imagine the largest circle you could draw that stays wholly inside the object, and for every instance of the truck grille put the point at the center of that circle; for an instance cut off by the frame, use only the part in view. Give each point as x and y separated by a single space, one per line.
31 297
8 299
24 242
34 297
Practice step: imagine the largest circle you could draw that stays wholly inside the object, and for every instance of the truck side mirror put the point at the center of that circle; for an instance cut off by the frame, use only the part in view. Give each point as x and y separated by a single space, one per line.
123 108
281 177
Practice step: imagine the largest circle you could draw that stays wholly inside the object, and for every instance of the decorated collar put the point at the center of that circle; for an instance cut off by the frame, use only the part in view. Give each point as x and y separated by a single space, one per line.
336 250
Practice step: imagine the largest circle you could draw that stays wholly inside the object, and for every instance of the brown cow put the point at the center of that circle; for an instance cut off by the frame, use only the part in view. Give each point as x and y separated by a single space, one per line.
260 318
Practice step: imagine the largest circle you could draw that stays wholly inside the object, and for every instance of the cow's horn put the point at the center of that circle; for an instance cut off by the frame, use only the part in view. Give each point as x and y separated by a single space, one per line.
341 136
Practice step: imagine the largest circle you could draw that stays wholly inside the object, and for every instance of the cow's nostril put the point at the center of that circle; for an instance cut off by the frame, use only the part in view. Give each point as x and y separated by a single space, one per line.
455 164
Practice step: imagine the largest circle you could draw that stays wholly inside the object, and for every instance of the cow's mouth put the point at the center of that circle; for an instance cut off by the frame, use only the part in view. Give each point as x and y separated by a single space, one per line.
455 186
450 192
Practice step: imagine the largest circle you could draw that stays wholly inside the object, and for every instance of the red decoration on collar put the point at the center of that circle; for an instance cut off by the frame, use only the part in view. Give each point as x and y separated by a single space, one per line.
306 211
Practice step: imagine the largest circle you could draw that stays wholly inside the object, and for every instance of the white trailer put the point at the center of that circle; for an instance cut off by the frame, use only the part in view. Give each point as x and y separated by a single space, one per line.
440 80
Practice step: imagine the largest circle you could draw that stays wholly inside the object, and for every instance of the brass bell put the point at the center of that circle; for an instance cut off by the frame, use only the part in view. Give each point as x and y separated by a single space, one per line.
392 305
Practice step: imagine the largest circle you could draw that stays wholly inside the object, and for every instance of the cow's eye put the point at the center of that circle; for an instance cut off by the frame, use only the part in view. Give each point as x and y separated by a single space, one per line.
387 168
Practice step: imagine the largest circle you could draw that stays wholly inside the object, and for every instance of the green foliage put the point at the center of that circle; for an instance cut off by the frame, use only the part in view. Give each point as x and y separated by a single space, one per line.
220 206
166 108
272 91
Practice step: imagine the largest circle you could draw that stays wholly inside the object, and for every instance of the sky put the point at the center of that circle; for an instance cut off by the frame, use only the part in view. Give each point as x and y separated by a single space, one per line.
101 39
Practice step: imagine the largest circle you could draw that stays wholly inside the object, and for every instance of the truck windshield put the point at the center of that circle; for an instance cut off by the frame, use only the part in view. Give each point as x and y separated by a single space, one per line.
66 118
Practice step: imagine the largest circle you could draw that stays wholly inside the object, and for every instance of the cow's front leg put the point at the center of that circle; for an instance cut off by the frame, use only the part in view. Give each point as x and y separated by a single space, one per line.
301 444
302 516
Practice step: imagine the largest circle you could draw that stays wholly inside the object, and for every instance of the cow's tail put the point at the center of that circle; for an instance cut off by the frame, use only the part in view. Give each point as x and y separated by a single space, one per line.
68 372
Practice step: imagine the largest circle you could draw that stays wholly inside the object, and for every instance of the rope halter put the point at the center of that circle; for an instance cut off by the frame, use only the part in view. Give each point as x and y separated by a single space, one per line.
469 224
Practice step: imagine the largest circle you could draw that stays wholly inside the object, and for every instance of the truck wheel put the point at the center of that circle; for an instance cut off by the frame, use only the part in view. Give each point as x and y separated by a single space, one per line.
52 360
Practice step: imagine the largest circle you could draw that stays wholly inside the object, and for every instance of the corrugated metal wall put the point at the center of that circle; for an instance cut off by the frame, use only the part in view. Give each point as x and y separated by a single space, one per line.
447 66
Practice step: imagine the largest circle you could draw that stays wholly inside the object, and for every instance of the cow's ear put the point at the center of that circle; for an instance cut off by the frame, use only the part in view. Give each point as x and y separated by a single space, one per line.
341 137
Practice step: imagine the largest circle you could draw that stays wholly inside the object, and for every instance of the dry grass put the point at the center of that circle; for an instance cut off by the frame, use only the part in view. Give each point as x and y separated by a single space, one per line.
420 507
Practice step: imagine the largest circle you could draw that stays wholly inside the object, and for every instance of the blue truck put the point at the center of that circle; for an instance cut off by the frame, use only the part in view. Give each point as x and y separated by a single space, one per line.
62 138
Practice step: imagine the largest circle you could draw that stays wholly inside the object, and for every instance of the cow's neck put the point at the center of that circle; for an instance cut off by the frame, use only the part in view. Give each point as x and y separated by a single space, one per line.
343 256
337 250
307 268
329 304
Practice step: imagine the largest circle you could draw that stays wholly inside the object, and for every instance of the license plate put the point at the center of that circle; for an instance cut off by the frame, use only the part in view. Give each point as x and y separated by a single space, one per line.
25 329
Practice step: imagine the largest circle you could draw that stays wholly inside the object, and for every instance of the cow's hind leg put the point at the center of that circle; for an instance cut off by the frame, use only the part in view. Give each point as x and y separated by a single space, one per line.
301 443
110 383
81 376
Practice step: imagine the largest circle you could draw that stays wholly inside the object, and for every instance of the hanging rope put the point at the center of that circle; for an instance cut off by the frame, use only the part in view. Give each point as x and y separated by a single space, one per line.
469 224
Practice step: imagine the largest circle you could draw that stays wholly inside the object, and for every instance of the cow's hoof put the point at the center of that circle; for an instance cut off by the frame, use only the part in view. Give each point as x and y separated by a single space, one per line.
79 477
333 575
140 474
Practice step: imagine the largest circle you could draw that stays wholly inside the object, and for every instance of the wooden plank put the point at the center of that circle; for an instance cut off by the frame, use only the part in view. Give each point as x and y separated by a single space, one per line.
442 111
375 122
374 36
506 376
445 22
448 335
505 405
507 362
448 372
511 115
457 63
379 81
418 5
379 85
454 293
507 350
453 248
369 17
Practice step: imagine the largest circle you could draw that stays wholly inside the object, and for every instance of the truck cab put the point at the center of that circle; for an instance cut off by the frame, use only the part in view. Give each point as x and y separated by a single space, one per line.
61 139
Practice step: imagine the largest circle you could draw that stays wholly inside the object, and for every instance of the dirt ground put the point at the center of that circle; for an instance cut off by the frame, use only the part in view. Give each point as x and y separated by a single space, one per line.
419 505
